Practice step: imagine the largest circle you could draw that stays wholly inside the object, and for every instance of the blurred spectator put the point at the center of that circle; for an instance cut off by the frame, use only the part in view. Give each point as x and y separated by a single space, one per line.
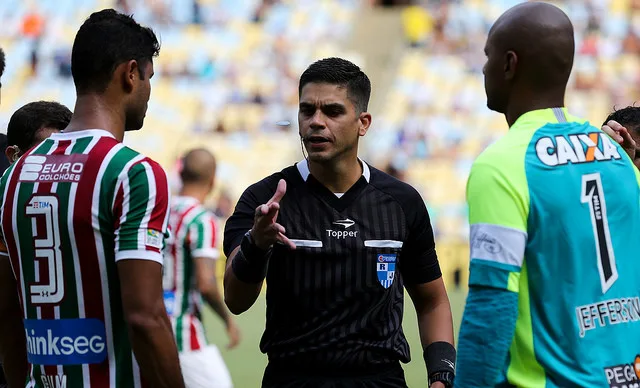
32 29
224 205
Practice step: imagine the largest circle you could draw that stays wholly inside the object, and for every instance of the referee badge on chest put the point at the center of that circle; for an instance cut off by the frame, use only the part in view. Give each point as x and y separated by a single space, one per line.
386 268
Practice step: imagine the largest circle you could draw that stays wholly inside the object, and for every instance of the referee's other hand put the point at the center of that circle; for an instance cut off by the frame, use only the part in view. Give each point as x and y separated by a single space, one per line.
266 231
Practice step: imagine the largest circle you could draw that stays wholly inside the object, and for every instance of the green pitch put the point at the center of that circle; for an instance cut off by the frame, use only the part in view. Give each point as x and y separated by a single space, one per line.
246 364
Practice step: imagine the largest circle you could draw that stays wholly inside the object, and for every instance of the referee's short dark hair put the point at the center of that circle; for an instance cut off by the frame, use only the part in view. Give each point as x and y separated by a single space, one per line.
628 117
338 71
32 117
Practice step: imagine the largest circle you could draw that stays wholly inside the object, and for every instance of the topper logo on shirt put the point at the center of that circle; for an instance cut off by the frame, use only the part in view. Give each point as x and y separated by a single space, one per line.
578 148
52 168
342 234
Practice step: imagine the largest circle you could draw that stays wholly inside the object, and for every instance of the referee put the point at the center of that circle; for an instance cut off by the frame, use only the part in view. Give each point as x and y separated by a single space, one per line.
338 241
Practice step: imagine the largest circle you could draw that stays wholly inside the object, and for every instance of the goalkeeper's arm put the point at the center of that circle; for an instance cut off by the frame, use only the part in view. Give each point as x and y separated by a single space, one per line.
487 330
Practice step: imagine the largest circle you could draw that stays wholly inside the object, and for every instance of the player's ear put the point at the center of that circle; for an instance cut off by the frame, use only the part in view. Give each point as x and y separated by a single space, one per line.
12 153
129 73
510 65
365 123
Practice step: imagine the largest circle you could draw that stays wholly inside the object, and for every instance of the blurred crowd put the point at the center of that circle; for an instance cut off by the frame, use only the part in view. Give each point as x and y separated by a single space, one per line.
436 116
228 71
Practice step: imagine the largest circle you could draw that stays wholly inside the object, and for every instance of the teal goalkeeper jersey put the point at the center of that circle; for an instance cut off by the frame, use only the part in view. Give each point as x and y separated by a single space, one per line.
555 217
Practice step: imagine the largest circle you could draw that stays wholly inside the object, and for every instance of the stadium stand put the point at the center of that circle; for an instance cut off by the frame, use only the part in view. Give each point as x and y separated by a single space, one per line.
228 72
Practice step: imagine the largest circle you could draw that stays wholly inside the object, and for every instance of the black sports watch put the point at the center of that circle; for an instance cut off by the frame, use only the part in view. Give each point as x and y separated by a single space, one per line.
250 250
445 378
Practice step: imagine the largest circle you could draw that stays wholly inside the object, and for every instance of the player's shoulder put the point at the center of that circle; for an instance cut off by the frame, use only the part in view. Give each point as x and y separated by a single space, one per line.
505 157
128 159
401 191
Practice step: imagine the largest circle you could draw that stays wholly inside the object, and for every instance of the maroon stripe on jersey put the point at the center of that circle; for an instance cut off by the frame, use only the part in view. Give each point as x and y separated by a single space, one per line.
174 247
47 311
195 344
87 250
213 232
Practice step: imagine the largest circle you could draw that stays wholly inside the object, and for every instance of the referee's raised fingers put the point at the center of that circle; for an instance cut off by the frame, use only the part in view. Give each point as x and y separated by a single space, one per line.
262 210
283 239
280 192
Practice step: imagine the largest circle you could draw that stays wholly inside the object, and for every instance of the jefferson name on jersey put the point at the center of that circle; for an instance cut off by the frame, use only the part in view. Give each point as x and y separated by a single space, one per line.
576 148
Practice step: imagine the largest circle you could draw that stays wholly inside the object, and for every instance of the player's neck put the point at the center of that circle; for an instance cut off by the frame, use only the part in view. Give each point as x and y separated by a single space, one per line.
337 176
529 102
93 112
194 191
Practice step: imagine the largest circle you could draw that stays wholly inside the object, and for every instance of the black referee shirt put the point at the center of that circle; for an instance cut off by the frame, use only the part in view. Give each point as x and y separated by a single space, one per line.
337 300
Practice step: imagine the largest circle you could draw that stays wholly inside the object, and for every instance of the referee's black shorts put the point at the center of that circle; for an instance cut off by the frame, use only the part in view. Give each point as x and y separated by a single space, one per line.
285 375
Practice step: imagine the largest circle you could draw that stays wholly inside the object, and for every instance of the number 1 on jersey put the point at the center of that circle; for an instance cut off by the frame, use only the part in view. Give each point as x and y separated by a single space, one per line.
593 194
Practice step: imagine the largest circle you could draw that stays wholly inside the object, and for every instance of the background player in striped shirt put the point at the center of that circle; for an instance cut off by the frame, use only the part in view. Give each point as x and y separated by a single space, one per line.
90 283
554 291
4 163
190 276
623 125
27 127
32 123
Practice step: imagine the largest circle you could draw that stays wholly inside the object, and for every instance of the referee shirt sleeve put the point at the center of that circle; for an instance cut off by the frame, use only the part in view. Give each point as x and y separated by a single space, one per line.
419 261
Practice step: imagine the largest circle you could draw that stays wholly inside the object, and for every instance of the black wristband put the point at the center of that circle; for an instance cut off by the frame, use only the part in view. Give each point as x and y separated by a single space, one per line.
440 357
246 271
251 268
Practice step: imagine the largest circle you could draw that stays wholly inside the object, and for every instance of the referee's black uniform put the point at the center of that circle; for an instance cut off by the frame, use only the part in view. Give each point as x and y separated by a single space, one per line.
335 304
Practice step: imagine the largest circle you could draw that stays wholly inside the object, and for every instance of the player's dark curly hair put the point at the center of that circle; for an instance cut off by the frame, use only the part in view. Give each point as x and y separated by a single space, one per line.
104 41
338 71
30 118
628 117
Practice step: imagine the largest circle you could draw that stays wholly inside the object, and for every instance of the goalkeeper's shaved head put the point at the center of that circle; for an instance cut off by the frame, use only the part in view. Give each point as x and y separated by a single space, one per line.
198 167
530 50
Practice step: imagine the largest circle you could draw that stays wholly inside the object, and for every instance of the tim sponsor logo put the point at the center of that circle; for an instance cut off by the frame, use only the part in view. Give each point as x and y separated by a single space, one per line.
582 148
54 381
52 168
65 341
625 375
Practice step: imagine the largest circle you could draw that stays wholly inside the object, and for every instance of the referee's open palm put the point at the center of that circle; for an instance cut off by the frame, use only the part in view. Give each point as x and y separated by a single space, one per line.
266 231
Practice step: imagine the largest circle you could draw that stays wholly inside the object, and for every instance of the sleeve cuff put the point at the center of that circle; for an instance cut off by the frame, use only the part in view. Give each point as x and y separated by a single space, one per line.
206 253
485 273
140 255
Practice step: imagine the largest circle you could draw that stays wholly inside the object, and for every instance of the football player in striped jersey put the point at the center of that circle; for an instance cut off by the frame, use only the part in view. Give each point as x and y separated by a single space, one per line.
84 219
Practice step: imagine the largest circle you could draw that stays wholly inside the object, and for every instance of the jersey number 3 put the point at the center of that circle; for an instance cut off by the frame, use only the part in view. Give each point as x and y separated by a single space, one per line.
44 209
593 195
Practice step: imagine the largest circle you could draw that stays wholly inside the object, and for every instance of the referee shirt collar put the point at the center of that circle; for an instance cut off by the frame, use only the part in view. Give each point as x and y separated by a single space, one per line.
303 169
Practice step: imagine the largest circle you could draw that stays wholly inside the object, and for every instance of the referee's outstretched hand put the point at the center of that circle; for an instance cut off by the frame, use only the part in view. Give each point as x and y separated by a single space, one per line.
266 231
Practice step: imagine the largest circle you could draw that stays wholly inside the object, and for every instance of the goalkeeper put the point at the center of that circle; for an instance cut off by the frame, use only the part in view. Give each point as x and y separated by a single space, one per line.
554 290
